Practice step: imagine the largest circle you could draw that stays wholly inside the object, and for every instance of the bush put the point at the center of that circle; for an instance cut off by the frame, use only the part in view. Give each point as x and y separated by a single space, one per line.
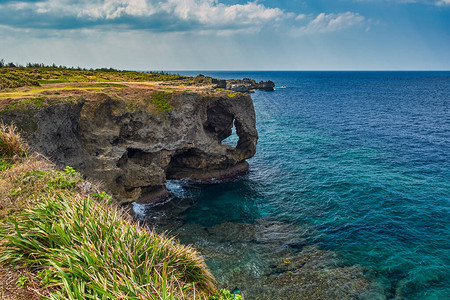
161 100
90 250
11 144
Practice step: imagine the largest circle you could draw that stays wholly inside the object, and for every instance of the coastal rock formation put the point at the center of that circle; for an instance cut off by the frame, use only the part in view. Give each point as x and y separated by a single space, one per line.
202 80
133 151
245 85
248 85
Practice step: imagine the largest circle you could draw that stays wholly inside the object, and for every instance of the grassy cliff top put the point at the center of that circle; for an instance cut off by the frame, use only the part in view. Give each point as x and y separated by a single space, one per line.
22 87
13 77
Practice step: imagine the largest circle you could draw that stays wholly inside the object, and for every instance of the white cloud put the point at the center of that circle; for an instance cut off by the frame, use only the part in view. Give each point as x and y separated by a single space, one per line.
300 17
443 2
112 9
329 23
169 16
208 12
211 12
96 9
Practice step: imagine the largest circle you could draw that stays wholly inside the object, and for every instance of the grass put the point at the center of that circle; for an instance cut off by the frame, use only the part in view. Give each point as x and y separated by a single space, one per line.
161 99
91 251
34 76
75 245
31 92
11 143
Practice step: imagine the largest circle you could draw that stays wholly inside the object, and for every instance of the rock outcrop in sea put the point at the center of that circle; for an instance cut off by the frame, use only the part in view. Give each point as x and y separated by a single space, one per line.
133 151
245 85
249 85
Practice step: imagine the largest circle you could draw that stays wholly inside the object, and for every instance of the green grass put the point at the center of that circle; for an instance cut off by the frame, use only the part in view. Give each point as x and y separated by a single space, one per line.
161 99
83 248
93 87
32 76
5 165
90 251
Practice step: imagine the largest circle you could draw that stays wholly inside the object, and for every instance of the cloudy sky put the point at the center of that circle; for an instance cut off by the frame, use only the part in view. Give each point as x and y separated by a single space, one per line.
229 34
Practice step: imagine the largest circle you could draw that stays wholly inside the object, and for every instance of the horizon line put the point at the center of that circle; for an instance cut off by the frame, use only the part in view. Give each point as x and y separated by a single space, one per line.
218 70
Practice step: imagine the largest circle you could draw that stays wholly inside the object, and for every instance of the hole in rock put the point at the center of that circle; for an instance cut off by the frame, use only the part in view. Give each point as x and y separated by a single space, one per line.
221 125
231 140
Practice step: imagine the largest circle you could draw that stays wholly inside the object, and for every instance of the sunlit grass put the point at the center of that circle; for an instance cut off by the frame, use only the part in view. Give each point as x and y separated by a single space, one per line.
33 92
84 248
89 250
21 76
11 143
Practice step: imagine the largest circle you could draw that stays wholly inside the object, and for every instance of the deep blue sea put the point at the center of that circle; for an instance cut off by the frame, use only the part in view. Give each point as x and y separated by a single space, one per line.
356 163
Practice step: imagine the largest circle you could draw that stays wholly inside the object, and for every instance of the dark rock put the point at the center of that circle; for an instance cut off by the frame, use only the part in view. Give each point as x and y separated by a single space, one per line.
133 152
245 85
266 85
248 85
206 80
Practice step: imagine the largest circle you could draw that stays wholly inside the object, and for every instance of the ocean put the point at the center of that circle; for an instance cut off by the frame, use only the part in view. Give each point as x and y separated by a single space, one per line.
348 195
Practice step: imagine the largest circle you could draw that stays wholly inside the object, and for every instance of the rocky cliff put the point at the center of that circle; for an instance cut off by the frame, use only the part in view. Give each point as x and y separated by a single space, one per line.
134 149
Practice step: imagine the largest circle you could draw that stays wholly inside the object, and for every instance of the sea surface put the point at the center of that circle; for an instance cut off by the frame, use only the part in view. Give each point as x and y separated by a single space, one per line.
348 195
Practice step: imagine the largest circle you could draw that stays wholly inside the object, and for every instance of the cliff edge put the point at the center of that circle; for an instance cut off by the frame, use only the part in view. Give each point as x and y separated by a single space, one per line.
135 136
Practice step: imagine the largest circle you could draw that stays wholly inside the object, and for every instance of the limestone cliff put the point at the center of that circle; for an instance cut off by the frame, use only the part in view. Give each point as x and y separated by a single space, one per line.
134 151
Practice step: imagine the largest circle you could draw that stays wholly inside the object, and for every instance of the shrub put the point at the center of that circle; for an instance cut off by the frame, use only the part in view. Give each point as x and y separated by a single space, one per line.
11 144
90 250
161 100
101 197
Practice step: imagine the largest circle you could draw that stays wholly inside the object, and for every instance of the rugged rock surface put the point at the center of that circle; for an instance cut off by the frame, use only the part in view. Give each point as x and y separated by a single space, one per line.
248 85
133 151
202 80
245 85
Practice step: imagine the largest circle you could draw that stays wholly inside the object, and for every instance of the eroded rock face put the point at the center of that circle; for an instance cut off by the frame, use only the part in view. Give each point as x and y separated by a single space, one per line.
247 85
134 152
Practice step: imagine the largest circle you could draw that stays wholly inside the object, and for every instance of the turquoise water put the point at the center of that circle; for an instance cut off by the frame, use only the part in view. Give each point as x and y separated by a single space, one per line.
360 159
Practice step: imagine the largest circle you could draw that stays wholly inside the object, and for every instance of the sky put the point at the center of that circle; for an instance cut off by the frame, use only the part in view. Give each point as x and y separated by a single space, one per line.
228 34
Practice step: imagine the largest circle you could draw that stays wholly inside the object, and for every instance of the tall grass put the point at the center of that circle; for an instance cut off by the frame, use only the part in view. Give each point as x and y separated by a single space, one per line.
87 250
11 144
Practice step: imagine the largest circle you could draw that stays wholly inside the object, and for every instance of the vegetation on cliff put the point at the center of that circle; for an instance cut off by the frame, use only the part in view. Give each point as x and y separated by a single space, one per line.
61 238
13 75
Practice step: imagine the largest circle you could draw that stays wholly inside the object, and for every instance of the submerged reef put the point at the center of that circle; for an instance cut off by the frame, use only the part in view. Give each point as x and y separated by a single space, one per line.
269 259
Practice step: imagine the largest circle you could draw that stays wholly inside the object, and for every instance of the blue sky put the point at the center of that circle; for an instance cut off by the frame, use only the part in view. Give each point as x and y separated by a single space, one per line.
229 34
